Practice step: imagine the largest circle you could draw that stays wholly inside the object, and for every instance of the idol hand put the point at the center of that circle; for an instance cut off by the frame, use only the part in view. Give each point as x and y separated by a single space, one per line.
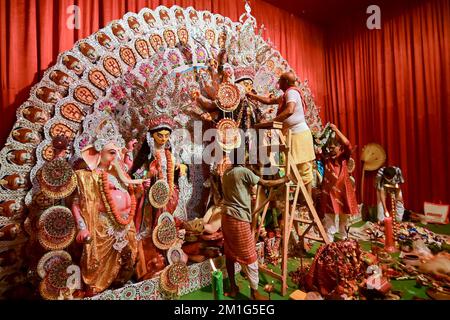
131 145
250 95
83 236
183 169
195 94
206 116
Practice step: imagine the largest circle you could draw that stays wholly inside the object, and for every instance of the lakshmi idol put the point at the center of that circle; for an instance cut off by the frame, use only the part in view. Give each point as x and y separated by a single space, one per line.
104 208
156 163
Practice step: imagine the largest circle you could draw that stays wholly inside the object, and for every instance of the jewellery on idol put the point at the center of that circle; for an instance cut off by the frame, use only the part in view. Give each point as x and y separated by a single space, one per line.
56 228
165 284
50 259
228 97
159 194
178 273
57 179
164 235
228 133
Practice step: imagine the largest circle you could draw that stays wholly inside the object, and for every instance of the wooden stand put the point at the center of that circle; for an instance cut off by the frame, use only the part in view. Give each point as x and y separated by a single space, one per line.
391 244
289 217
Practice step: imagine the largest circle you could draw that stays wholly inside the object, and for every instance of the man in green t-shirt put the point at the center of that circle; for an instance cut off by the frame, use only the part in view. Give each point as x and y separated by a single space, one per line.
239 241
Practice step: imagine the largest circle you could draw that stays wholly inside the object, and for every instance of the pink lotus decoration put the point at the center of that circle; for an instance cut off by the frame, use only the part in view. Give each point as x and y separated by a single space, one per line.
118 92
146 69
107 106
130 79
174 58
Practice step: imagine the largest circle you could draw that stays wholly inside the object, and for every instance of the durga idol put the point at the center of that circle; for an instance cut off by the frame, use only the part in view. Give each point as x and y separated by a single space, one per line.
156 164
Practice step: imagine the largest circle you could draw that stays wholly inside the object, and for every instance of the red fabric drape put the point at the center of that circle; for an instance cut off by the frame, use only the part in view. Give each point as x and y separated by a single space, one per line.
34 32
392 86
389 86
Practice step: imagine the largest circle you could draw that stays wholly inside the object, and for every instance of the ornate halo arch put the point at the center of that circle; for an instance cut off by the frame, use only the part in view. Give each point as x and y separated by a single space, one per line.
134 68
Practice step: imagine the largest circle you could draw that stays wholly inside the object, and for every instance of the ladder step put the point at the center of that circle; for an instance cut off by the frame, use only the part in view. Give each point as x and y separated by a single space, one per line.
271 273
313 238
303 220
270 125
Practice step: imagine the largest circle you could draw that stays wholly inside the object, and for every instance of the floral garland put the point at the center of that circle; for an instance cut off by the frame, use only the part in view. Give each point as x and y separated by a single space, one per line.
108 201
170 169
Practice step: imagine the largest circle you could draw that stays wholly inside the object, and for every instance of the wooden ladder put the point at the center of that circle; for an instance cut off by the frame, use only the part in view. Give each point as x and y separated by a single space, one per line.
289 217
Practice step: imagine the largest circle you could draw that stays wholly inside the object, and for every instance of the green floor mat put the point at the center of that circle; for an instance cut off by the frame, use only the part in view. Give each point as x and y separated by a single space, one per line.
408 288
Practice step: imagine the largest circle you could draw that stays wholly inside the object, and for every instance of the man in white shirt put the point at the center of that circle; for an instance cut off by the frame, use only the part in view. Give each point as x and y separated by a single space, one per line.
291 113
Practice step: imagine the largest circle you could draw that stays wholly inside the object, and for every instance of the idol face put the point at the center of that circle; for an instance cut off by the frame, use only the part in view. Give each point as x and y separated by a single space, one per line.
248 84
161 137
108 154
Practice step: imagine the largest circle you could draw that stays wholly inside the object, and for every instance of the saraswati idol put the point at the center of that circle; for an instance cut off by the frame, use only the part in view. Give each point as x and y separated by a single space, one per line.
104 208
156 163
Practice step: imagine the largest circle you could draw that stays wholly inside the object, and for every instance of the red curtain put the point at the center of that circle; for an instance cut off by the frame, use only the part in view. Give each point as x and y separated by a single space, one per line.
389 86
392 86
34 32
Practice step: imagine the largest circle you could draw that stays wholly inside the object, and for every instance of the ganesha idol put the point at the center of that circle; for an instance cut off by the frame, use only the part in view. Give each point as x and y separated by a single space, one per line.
25 135
48 95
104 208
14 182
105 41
10 208
35 115
156 162
89 52
62 80
20 157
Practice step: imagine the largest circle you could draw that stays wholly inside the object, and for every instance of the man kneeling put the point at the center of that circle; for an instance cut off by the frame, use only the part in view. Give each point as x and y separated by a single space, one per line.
239 241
